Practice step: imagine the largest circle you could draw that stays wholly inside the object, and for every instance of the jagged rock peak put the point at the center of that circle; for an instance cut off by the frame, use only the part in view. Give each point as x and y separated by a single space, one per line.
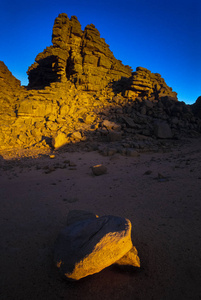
63 28
82 57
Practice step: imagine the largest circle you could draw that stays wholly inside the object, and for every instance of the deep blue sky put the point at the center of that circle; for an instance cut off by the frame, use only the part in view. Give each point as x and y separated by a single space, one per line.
161 35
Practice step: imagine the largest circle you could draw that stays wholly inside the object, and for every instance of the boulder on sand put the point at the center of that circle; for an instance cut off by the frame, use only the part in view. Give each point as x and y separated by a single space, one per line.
90 243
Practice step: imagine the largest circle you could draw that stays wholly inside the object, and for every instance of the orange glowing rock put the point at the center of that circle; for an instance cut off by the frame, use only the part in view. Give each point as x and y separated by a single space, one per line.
89 244
59 140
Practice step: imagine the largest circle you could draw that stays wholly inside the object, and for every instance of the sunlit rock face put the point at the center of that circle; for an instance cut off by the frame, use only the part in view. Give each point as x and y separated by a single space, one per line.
89 244
10 87
82 57
8 82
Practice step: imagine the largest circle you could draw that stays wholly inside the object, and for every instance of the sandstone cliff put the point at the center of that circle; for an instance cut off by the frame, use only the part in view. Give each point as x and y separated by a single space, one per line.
79 92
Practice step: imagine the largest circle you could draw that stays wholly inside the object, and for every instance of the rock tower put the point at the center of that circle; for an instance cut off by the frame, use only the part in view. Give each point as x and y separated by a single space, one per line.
82 57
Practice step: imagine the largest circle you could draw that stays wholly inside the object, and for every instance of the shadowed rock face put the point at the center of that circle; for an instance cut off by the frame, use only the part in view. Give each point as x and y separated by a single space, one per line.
196 107
82 57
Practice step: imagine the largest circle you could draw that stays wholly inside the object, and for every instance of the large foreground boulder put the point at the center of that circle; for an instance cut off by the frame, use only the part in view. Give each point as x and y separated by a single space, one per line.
89 244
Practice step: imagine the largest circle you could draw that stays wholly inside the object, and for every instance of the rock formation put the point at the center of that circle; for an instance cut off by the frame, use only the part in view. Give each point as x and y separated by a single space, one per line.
79 92
89 244
82 57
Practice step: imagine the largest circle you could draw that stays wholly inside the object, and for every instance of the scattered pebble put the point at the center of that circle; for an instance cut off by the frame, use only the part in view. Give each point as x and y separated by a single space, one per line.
148 172
70 200
161 178
99 170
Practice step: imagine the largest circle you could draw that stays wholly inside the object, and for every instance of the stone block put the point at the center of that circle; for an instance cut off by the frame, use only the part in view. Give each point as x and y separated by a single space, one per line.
59 140
88 245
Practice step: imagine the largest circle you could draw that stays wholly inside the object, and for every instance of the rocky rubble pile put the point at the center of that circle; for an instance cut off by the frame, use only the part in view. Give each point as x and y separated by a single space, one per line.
79 93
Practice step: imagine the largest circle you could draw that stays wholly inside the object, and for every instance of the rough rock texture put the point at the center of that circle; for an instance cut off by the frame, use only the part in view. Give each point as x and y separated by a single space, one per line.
79 93
89 245
9 89
8 82
82 57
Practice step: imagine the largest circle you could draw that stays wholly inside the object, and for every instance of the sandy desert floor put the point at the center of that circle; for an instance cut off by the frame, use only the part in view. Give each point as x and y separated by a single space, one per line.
159 192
